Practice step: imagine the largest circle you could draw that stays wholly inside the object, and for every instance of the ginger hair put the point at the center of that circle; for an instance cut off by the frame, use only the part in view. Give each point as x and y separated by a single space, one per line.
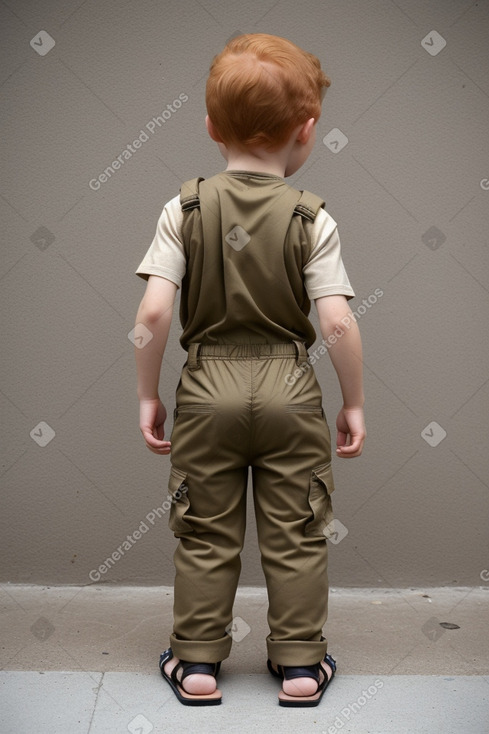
260 88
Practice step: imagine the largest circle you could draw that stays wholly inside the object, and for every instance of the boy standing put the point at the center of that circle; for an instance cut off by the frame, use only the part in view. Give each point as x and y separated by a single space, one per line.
249 253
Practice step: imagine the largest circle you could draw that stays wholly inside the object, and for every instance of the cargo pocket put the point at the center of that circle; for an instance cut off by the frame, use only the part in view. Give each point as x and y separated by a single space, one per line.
177 484
320 488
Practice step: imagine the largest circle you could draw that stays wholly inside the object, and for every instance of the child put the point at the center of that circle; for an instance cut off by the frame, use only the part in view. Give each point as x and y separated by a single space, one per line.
249 253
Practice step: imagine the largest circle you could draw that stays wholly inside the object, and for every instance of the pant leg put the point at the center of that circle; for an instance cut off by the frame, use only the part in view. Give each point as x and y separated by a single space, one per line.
292 484
209 443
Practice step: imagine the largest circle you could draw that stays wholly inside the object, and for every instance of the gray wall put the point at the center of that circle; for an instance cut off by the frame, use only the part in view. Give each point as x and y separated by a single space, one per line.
410 191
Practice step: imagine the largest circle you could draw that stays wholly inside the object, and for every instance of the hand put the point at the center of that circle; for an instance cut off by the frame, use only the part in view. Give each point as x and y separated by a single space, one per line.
152 417
350 425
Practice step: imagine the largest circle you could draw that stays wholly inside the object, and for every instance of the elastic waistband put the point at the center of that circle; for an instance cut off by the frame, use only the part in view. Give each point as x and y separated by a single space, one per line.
198 352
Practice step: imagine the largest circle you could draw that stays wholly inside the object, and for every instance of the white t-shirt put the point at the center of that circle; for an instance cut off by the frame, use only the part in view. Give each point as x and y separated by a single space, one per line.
324 273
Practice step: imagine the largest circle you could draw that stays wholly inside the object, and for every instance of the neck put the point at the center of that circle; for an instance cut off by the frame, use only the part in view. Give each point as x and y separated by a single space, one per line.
264 163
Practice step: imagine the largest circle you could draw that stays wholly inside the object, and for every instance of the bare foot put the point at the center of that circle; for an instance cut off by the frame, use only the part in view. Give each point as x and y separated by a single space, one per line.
306 686
197 683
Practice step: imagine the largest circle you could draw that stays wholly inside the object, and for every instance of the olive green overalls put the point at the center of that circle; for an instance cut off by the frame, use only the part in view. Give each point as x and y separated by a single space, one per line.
244 311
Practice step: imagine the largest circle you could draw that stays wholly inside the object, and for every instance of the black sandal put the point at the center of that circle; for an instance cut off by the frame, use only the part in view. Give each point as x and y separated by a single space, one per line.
190 699
289 672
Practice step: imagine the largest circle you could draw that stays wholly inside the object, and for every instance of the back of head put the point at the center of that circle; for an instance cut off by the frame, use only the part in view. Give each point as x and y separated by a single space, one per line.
260 88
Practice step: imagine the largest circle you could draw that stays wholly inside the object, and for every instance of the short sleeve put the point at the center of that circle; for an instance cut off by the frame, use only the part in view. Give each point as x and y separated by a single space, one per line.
324 272
166 254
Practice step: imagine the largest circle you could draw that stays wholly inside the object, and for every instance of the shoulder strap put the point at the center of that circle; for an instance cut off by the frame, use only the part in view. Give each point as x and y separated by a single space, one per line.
308 205
189 194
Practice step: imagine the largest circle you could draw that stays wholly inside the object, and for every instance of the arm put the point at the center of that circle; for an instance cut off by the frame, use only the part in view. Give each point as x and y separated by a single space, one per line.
346 355
155 313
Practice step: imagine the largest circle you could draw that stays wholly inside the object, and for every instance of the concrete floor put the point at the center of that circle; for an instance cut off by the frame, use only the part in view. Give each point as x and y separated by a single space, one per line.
84 659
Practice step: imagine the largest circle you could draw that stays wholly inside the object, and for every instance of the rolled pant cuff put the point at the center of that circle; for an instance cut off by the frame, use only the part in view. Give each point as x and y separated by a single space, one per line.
204 651
296 652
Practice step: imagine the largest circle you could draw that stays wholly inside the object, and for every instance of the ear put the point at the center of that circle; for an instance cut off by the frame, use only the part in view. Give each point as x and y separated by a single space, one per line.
212 130
306 131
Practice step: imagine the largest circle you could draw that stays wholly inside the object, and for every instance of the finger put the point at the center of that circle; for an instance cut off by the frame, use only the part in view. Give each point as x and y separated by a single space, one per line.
160 452
354 449
342 454
341 438
152 441
159 432
160 445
